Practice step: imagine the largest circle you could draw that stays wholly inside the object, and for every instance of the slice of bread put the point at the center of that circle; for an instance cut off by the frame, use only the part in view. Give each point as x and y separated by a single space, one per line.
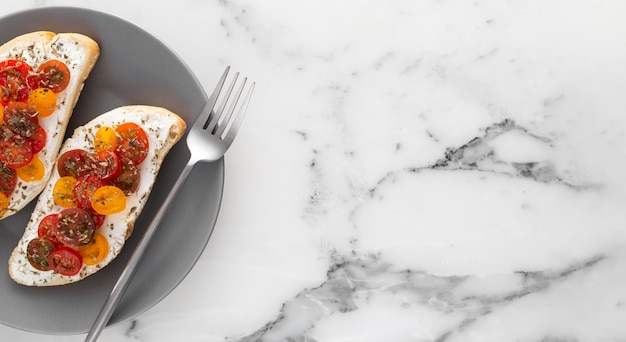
163 129
79 53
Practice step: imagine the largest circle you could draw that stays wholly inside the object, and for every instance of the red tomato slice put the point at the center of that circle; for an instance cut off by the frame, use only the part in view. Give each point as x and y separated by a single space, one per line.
38 139
66 261
107 165
16 81
75 163
129 179
98 219
74 227
38 251
54 75
15 151
47 228
84 188
8 179
21 119
133 144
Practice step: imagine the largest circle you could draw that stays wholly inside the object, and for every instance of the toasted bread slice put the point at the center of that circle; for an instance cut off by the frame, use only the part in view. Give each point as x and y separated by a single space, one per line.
163 129
79 53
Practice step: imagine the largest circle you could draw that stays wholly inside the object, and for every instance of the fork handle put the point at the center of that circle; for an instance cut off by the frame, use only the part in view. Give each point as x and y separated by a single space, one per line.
135 259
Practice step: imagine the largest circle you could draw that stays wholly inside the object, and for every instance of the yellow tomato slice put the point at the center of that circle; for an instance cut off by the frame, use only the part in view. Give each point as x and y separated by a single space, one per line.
105 139
95 251
44 101
108 200
4 204
63 192
32 171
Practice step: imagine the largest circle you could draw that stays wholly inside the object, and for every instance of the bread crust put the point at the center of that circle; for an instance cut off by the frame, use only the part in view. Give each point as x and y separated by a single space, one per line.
164 129
80 54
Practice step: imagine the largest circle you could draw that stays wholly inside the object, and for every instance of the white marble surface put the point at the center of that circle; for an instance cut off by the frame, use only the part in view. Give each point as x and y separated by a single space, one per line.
408 171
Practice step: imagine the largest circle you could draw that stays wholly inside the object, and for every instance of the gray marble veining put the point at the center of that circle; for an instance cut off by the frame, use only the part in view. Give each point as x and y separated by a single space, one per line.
408 171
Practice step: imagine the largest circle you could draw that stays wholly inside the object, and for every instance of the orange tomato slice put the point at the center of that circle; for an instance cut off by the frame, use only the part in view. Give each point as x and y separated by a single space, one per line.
108 200
4 204
44 100
95 251
105 139
32 171
63 192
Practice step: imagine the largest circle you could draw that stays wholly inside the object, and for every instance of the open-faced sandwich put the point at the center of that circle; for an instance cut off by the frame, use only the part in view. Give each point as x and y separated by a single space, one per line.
41 76
87 210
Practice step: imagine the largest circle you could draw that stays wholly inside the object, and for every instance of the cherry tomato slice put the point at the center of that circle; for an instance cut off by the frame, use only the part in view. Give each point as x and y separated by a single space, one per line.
74 227
38 140
63 192
84 189
95 251
38 251
108 200
128 180
75 163
4 204
8 179
46 228
107 165
98 219
21 119
54 75
105 139
31 172
43 100
15 81
66 261
133 143
15 151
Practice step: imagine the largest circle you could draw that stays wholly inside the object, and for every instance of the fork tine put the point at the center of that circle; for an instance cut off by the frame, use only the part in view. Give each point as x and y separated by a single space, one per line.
238 119
218 114
206 112
229 112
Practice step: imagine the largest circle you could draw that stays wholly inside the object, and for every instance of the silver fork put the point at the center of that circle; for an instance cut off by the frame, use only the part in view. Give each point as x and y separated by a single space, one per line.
207 140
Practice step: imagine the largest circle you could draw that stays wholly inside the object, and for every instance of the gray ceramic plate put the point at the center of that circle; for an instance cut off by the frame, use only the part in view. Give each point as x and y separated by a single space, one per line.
134 68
